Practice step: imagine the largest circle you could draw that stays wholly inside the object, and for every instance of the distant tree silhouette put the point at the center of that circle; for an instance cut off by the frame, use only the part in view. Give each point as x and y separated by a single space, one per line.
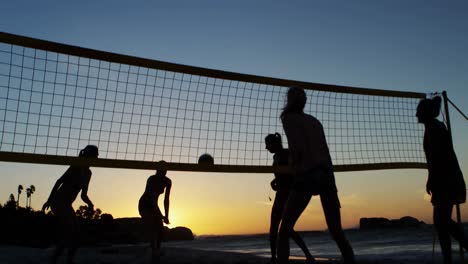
86 213
33 190
29 192
107 222
97 214
11 203
82 211
107 218
20 188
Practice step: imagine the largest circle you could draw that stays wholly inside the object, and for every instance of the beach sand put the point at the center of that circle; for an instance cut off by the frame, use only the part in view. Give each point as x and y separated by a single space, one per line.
140 254
125 254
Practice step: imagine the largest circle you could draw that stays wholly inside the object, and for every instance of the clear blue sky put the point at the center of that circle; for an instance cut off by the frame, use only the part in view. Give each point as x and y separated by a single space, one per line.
416 46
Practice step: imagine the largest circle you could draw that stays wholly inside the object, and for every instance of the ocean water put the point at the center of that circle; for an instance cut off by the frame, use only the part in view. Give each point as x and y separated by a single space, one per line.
418 245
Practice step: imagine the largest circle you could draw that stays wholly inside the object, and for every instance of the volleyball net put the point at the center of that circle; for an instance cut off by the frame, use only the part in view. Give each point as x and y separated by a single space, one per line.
55 99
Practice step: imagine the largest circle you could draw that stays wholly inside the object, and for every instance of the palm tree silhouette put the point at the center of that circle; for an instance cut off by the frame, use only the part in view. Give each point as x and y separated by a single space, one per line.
20 188
29 192
11 204
33 189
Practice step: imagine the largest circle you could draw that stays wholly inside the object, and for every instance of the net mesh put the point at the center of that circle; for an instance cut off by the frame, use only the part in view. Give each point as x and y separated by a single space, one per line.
55 104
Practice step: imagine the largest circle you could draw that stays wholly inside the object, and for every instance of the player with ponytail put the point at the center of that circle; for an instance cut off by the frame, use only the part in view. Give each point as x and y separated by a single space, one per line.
281 184
445 181
60 201
313 175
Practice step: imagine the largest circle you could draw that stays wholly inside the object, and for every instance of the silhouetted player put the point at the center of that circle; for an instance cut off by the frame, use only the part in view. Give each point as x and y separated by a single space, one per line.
281 184
151 214
314 175
445 182
60 201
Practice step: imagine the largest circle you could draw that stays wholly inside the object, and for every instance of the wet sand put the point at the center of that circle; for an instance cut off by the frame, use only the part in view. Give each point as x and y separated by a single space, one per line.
140 254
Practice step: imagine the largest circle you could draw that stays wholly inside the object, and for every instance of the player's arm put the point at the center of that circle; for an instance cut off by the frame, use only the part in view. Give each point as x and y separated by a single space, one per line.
167 194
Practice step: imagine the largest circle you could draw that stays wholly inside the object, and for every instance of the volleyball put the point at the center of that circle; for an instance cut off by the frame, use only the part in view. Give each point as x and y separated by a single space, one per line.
206 159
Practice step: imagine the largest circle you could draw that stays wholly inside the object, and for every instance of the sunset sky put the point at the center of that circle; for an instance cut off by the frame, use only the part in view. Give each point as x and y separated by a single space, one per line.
394 45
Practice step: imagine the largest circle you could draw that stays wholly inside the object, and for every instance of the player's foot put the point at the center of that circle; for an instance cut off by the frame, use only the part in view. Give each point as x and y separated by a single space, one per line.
310 260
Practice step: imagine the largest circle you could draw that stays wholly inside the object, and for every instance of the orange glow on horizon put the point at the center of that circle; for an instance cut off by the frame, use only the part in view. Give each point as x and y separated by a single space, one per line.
223 204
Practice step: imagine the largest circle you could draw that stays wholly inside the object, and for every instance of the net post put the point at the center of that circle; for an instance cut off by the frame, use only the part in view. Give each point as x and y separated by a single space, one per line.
447 121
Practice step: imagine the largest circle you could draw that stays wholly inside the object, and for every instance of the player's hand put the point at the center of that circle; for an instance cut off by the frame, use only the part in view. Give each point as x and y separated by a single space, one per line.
45 206
428 188
90 207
